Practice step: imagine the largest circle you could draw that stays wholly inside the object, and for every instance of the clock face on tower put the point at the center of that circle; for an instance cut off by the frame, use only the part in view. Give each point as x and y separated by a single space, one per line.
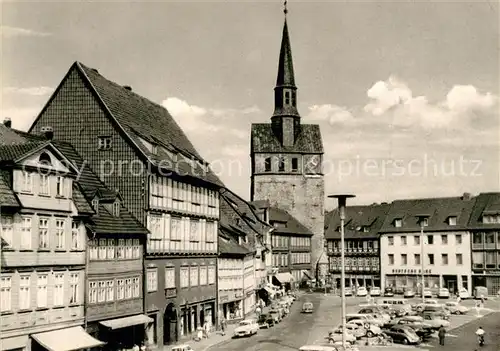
313 164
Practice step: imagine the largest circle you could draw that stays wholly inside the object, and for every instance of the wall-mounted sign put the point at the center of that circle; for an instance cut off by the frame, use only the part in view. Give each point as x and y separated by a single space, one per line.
410 271
223 298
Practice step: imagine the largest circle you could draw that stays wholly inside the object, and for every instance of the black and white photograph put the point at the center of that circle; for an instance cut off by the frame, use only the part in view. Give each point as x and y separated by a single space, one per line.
250 175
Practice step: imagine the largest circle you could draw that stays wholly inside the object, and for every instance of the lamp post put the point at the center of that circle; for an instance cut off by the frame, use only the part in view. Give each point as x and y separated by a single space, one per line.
342 205
421 221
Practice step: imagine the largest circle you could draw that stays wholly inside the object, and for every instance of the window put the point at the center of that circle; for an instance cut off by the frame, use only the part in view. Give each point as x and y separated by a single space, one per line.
44 184
477 238
45 159
294 98
120 250
136 284
194 275
128 288
295 164
391 259
281 164
458 239
136 249
27 182
267 164
59 186
7 230
210 231
390 240
5 294
73 288
59 234
92 292
194 234
404 259
416 240
116 208
102 249
452 220
184 277
104 143
417 259
403 240
58 289
128 249
95 204
176 229
120 290
43 233
430 258
211 275
444 239
169 278
444 259
24 292
152 276
424 222
477 260
203 275
75 235
398 222
110 249
41 291
459 259
101 292
430 239
287 97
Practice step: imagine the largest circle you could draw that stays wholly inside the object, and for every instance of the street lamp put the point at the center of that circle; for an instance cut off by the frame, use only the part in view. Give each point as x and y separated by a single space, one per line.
342 205
422 219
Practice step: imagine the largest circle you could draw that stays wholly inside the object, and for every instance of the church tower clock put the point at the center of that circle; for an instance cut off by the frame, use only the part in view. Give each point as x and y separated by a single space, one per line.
286 156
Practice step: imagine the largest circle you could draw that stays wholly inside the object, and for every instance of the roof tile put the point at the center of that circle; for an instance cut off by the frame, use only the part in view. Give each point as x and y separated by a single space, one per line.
264 140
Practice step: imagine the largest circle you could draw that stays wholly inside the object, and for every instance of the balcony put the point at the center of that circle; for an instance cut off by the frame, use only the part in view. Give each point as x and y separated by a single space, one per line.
170 292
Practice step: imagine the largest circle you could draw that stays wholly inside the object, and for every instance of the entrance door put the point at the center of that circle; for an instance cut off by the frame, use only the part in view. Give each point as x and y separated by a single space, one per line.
170 325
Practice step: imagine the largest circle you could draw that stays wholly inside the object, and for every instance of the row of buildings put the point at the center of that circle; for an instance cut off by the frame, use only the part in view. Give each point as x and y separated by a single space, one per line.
115 230
385 246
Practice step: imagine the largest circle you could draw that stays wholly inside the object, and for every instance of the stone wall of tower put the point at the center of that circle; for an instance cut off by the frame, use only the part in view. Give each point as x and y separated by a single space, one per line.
302 196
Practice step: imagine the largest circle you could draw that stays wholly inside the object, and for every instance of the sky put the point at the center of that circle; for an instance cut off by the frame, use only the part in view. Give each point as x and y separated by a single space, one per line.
405 92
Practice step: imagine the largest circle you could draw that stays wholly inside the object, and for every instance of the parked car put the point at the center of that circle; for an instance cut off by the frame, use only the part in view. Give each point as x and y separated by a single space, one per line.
348 292
368 329
266 321
463 293
409 293
399 290
284 306
427 292
247 327
375 291
358 331
376 310
275 314
439 310
403 334
361 291
389 292
422 329
443 293
455 308
307 307
335 335
366 317
435 321
481 291
183 347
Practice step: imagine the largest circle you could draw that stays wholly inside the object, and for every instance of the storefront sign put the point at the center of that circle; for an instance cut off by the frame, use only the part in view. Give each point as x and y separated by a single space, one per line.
239 294
223 298
410 271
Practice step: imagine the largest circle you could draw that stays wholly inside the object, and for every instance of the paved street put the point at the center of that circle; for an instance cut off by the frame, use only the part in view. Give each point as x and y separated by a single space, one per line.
299 329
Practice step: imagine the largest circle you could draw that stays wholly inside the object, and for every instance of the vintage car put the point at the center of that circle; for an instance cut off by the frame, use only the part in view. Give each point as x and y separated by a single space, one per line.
361 291
357 330
335 335
276 315
437 309
463 293
409 293
435 321
422 329
403 334
266 321
367 328
183 347
389 292
456 308
376 312
247 327
375 291
348 292
427 292
443 293
307 307
365 317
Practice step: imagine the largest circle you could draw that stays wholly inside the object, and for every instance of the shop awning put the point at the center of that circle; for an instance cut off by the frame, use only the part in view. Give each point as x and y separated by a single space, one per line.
16 342
67 339
269 290
126 321
284 277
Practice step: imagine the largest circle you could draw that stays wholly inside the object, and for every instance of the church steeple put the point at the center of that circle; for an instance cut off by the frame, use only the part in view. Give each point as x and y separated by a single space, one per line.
286 118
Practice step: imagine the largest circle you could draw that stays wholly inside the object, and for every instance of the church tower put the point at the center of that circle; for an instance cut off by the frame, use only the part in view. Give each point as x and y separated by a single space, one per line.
286 156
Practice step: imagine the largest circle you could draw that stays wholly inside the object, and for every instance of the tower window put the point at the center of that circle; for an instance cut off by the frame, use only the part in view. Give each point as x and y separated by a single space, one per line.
287 97
295 164
267 164
281 164
294 98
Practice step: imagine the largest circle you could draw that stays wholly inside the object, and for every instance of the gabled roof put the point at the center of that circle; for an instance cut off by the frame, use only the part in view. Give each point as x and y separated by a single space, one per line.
228 244
486 203
264 140
292 225
357 218
438 210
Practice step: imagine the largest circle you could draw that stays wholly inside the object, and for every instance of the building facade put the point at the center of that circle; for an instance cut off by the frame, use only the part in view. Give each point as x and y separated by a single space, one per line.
135 146
485 235
446 244
42 216
362 254
286 157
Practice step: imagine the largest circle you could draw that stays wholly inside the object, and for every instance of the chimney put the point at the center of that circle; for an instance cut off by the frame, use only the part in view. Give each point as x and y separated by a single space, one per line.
48 132
127 87
7 122
466 196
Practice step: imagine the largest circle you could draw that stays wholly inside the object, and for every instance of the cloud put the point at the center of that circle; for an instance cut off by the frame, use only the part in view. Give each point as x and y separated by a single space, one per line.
10 32
33 91
333 114
466 97
22 118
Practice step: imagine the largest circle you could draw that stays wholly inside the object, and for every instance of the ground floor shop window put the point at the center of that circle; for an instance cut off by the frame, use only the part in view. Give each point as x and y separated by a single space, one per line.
233 310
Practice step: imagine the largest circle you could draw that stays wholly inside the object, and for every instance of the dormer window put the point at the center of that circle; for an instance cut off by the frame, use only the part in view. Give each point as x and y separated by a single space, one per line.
424 222
398 222
452 220
45 159
116 208
95 204
364 229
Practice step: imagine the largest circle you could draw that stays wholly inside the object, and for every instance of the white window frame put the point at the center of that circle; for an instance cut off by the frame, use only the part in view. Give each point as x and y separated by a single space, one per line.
136 285
184 274
27 182
60 234
110 249
94 249
41 290
128 288
110 290
211 274
194 276
24 292
7 224
5 293
73 288
169 277
128 249
136 249
93 292
210 228
120 289
58 297
44 188
120 250
101 291
103 250
75 235
60 186
152 282
43 233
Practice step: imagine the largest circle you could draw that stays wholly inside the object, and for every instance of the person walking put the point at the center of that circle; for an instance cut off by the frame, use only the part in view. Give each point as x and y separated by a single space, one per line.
258 311
223 326
441 335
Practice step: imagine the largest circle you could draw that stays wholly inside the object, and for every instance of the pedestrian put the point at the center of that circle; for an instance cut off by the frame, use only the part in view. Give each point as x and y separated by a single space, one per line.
258 311
441 335
223 326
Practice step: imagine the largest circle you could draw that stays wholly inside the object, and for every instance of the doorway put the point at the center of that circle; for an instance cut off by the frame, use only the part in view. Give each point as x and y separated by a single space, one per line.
170 325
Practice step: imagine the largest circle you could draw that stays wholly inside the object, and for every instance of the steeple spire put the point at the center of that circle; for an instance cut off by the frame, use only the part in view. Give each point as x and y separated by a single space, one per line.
285 65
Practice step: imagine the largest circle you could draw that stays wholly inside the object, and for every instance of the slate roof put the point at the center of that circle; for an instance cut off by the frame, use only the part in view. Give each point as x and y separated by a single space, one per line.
292 225
142 118
439 210
7 195
260 204
372 217
9 136
486 203
264 140
228 244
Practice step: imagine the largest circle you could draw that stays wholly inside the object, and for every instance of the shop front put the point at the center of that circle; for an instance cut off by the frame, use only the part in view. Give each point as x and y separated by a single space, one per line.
284 280
231 304
67 339
192 317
